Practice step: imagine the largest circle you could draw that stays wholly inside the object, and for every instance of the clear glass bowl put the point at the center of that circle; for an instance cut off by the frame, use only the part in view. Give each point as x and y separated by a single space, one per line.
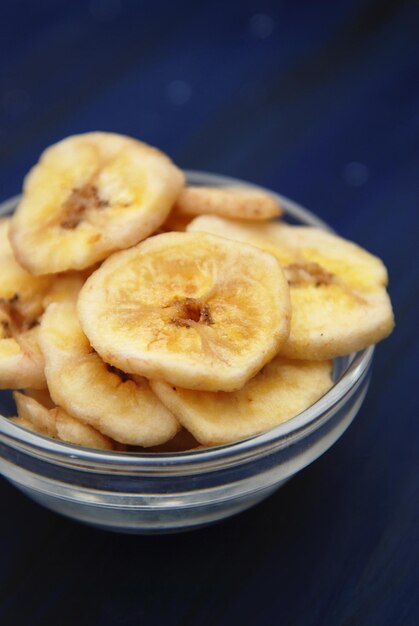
157 493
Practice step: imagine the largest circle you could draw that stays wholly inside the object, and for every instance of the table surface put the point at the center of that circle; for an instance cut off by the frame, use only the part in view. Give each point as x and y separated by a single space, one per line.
318 101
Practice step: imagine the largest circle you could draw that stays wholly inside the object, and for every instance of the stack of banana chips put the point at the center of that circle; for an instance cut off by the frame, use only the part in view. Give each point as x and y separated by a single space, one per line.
140 314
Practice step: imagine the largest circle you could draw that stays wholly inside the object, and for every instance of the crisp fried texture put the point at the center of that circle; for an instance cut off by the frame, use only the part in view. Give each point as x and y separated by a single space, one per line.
56 423
281 390
338 290
192 309
23 299
24 423
21 305
233 202
97 394
88 196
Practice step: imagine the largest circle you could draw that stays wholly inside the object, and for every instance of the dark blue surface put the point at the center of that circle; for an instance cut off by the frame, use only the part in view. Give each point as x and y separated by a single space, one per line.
316 100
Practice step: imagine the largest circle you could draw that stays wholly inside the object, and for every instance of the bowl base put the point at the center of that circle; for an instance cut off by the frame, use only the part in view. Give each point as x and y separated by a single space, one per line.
155 521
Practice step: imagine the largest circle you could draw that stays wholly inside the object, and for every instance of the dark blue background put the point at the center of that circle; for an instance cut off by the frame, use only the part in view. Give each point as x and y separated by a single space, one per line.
316 100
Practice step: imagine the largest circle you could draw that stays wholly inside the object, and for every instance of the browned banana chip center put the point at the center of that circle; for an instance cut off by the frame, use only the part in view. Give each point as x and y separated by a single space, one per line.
80 201
303 273
191 310
12 320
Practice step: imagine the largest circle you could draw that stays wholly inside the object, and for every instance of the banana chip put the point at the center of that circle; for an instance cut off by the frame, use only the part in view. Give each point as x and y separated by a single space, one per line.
65 287
338 297
21 304
33 411
281 390
20 421
92 391
233 202
88 196
23 299
16 281
56 423
189 308
75 431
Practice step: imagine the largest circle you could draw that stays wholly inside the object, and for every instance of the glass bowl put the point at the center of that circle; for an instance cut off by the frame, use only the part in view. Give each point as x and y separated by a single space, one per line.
158 493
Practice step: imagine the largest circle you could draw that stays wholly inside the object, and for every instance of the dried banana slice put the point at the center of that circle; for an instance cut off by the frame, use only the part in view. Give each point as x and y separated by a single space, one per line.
76 432
17 281
23 299
33 411
94 392
281 390
88 196
21 361
21 304
56 423
233 202
65 287
338 296
192 309
20 421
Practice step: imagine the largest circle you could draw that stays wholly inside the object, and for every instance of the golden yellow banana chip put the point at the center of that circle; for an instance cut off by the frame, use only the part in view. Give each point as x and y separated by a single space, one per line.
33 411
88 196
233 202
21 304
182 441
56 423
189 308
94 392
20 421
72 430
15 280
281 390
338 295
21 361
23 299
65 286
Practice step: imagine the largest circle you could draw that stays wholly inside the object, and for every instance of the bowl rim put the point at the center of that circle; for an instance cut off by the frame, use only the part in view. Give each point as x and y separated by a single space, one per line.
278 437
